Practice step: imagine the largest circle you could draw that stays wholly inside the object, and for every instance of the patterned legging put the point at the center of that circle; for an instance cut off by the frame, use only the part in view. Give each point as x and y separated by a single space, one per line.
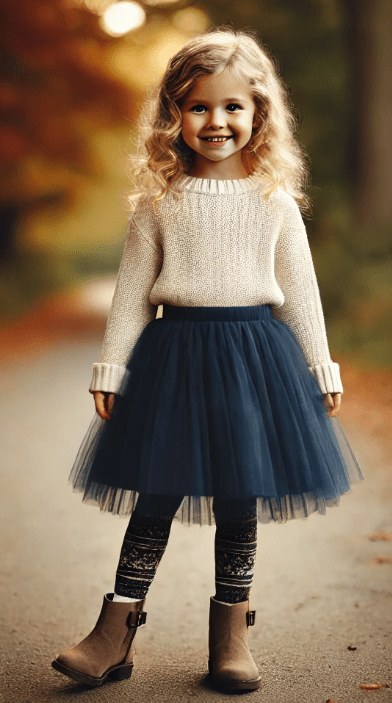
148 532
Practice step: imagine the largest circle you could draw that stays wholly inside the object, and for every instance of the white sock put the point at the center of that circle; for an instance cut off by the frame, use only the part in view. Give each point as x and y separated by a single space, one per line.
124 599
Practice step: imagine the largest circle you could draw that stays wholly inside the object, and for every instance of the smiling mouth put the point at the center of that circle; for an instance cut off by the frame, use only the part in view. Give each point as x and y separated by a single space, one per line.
216 139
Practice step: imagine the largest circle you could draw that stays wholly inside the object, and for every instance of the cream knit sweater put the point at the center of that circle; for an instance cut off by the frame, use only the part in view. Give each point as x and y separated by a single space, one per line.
226 245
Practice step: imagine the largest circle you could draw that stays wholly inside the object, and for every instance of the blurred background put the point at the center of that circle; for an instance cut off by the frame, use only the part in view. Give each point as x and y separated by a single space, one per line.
73 76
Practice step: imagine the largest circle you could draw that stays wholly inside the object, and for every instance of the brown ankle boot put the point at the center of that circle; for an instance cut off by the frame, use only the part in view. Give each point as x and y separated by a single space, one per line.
231 663
107 652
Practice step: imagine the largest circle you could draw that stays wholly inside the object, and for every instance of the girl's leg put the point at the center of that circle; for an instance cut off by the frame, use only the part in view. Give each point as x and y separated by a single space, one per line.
144 544
235 549
107 652
230 661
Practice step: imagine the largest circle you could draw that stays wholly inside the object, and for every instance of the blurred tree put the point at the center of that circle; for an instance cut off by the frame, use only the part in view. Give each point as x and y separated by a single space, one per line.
368 29
55 90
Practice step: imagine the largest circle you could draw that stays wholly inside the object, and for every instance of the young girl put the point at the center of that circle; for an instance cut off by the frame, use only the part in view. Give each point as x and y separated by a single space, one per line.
215 393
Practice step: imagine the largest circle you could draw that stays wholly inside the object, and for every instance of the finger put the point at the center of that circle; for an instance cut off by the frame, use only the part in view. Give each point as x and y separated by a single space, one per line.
99 398
332 411
106 413
336 400
100 407
109 403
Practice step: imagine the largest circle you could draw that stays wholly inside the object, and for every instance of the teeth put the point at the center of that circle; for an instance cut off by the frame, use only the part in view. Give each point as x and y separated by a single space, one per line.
216 139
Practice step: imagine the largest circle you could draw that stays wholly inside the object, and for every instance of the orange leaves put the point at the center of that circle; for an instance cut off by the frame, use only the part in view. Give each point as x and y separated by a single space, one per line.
377 536
13 145
381 536
381 560
56 91
373 686
366 687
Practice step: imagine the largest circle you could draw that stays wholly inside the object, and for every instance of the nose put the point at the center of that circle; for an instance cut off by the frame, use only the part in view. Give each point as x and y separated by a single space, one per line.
217 120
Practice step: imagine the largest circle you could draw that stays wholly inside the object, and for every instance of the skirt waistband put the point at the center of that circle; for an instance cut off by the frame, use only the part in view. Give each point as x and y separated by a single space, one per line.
231 313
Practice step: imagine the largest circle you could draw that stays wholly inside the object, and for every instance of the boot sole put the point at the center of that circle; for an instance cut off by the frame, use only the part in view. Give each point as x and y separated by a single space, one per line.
119 672
234 684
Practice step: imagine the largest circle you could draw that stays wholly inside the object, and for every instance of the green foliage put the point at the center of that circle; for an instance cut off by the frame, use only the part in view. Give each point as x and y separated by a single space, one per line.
354 271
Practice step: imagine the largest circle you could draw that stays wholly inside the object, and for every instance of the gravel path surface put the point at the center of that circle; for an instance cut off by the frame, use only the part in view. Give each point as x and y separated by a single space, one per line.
319 587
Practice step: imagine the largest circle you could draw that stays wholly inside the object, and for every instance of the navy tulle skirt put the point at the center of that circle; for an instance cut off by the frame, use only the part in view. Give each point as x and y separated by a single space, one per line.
219 403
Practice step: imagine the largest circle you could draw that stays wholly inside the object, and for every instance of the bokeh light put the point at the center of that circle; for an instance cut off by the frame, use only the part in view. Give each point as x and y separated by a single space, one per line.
141 66
122 17
97 6
160 2
191 20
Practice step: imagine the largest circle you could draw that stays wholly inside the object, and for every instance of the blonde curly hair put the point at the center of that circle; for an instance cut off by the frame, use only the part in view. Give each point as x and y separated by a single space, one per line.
272 154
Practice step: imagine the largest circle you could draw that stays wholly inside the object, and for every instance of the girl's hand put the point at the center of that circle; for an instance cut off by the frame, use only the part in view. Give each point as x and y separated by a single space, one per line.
104 403
332 403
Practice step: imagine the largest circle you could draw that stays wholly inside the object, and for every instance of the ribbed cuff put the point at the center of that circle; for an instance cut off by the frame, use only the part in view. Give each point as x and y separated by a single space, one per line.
328 377
109 378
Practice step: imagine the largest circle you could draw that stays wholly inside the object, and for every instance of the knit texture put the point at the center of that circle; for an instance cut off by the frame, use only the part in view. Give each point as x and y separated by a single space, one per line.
223 244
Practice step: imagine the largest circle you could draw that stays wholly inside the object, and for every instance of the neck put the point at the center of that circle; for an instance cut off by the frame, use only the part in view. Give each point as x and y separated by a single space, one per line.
218 170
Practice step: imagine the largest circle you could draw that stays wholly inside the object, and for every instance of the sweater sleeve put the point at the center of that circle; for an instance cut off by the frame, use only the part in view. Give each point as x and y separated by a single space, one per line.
131 309
302 309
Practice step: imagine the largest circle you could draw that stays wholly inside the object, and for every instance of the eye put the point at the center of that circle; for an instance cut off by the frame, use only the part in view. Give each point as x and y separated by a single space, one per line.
199 109
233 107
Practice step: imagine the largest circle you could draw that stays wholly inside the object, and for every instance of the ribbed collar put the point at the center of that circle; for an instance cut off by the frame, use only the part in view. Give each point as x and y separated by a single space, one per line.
217 186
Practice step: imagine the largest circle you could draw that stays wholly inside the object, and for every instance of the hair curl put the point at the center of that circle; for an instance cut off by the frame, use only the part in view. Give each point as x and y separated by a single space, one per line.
273 154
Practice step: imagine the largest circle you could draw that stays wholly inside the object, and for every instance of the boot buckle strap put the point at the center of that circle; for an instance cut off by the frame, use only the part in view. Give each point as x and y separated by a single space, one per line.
140 619
250 617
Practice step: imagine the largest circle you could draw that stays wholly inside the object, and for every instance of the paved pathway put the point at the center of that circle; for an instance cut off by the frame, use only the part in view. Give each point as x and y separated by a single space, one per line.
317 590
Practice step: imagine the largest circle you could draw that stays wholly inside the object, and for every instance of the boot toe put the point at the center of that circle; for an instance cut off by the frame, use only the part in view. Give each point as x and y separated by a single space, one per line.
80 663
234 673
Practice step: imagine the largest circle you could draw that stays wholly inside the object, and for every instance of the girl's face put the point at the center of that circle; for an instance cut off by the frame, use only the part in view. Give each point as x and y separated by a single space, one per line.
217 120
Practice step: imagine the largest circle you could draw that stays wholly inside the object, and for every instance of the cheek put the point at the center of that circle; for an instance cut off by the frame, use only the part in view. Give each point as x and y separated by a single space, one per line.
188 125
247 128
186 134
243 125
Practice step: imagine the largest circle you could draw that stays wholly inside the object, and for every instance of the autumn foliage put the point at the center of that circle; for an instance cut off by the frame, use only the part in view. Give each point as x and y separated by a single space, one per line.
55 89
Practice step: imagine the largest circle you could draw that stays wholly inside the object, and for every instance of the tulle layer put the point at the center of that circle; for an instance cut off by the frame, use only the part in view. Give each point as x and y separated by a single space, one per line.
220 403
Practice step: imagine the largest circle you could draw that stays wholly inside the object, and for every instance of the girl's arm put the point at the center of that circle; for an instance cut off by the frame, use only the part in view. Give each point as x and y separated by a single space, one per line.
131 309
302 310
